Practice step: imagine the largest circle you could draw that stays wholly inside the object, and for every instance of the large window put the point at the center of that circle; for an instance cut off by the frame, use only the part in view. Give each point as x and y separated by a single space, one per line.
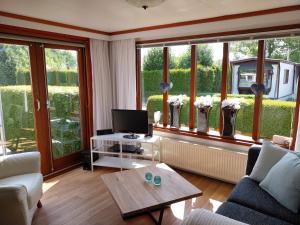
63 101
208 78
242 74
17 132
282 56
260 74
179 77
151 77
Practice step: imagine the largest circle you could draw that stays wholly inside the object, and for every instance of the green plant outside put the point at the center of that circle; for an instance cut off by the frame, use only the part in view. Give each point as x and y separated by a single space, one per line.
19 120
208 80
59 78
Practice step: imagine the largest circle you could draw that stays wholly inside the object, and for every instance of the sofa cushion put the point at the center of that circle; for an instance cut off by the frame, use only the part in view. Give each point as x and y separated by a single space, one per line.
18 164
205 217
248 193
247 215
269 155
283 182
33 183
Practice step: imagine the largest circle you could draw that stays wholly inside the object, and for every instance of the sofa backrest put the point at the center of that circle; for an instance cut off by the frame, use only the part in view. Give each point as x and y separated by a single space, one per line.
253 154
18 164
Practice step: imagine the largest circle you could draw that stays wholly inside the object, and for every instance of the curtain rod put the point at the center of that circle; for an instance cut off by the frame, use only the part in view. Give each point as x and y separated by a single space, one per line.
243 37
39 40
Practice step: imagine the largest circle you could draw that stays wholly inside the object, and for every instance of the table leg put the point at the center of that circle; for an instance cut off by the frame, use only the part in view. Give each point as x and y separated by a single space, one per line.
121 154
91 144
160 218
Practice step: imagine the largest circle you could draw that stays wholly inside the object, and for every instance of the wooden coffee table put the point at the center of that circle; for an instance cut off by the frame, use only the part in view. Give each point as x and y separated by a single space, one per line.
134 196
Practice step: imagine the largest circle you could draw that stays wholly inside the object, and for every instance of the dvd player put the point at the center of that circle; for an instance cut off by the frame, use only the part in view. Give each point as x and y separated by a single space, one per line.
127 149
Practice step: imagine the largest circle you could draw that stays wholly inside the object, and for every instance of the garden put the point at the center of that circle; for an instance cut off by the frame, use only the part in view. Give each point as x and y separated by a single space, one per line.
18 118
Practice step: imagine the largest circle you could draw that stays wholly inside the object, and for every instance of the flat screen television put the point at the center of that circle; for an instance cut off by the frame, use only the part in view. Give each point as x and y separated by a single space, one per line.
130 121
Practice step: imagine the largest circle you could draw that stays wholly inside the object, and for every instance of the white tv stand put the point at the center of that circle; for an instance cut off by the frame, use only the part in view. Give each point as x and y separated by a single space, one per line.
101 144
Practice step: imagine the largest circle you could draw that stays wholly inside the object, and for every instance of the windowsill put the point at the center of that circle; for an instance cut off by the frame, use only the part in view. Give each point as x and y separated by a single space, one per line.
211 135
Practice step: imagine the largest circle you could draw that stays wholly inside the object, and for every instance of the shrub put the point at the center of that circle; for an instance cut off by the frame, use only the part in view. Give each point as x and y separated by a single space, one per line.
277 118
276 115
208 80
18 115
61 78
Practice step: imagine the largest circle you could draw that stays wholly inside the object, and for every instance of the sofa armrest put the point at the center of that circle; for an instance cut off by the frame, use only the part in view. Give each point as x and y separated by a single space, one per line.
253 154
18 164
205 217
13 205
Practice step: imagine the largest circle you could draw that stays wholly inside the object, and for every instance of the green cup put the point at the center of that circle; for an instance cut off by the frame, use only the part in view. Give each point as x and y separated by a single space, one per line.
148 177
157 180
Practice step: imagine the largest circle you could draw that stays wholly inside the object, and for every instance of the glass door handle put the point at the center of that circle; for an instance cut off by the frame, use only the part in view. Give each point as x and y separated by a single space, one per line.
48 104
38 105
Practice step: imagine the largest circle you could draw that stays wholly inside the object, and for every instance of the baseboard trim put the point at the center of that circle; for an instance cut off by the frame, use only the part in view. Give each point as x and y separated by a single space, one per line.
62 171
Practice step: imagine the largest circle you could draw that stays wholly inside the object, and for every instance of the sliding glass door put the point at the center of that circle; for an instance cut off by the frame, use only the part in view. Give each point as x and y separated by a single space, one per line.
63 100
42 94
17 130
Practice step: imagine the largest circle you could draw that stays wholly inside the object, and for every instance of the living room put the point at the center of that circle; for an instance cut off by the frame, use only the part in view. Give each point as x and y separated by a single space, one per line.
149 112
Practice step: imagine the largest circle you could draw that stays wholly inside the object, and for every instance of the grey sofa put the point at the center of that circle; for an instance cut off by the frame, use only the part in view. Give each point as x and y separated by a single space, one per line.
250 204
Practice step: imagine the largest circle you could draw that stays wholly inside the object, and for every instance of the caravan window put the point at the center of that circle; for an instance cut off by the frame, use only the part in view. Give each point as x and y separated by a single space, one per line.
286 76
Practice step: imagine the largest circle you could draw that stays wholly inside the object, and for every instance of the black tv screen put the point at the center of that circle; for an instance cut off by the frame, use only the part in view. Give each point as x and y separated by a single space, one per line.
130 121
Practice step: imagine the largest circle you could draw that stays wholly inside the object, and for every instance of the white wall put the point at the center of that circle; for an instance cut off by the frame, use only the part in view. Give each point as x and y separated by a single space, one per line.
216 27
273 92
286 90
235 79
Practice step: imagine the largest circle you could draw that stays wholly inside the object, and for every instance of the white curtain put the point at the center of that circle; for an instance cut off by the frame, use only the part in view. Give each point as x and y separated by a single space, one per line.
297 146
123 73
102 85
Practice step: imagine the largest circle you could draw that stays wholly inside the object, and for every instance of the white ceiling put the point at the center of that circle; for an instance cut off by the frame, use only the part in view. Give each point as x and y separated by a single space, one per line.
116 15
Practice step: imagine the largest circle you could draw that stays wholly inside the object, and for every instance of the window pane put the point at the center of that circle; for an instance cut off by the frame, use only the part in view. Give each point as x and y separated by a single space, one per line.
179 76
17 132
208 79
63 101
242 74
151 77
281 76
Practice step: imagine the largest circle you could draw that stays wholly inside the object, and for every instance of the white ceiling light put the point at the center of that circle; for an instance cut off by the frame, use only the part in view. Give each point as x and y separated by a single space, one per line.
145 4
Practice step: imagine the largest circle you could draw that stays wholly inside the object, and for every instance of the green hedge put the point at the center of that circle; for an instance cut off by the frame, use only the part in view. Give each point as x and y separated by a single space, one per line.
208 80
60 78
19 119
276 115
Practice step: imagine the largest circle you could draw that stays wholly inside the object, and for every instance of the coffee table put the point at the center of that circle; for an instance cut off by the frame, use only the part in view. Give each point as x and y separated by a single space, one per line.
134 196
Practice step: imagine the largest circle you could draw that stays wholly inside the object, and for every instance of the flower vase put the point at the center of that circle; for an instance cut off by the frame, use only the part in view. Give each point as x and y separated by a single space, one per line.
175 115
203 119
229 121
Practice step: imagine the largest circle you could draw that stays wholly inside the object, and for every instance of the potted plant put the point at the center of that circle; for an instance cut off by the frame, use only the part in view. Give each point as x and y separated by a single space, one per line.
230 108
175 105
204 105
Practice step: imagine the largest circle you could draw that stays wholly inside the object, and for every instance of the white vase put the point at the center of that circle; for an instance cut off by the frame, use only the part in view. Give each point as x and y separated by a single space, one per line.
157 115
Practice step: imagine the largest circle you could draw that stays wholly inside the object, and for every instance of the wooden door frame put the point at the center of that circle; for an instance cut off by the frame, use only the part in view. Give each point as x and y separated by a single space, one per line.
39 92
73 158
34 49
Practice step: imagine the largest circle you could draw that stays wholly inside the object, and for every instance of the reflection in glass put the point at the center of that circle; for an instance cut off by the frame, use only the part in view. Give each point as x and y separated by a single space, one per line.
208 78
151 77
282 72
17 132
63 101
241 75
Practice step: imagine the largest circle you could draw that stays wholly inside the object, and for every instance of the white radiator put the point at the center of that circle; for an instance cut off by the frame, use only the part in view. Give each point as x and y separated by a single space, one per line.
214 162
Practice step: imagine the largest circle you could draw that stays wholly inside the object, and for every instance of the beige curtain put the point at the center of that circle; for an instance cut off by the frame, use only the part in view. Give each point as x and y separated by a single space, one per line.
122 65
102 84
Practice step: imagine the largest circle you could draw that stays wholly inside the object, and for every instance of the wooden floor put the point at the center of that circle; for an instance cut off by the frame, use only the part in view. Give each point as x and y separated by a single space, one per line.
79 197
